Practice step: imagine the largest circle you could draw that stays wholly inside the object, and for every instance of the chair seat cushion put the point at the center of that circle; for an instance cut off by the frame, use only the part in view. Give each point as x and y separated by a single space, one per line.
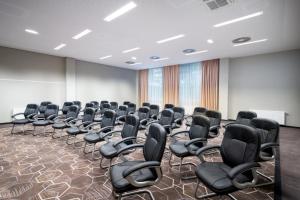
41 123
59 125
109 151
94 137
120 184
21 121
214 176
75 130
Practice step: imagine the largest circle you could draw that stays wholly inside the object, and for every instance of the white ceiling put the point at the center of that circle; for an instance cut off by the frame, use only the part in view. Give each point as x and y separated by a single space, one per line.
58 21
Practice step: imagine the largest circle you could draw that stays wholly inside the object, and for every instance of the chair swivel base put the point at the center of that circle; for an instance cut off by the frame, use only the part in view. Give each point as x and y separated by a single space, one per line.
270 180
180 164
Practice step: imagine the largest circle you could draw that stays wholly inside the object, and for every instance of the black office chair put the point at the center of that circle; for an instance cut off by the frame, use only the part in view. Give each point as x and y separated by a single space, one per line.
198 134
128 134
30 111
178 117
243 117
197 111
166 119
66 107
61 123
49 115
88 105
114 105
130 177
95 105
215 118
77 103
131 108
143 113
121 114
80 126
107 125
169 106
147 104
239 151
154 111
126 103
268 131
105 107
43 107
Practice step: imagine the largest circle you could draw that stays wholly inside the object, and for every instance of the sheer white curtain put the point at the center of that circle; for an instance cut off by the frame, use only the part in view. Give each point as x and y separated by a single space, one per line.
155 86
190 76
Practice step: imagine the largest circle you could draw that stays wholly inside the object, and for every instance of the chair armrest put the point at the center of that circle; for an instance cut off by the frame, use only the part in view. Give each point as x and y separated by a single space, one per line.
143 121
31 116
179 132
151 122
68 119
202 150
134 168
110 133
214 127
196 140
178 120
167 126
124 140
154 116
51 117
132 146
121 117
106 128
268 145
13 116
90 124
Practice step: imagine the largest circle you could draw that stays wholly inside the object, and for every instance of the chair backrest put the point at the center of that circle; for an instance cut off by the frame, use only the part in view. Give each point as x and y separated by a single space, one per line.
169 106
66 107
178 113
154 110
89 114
199 111
77 103
240 144
131 107
89 105
166 117
244 117
108 119
95 104
123 110
51 109
105 107
199 128
114 105
43 106
31 109
73 111
146 104
130 127
267 129
214 117
126 103
143 113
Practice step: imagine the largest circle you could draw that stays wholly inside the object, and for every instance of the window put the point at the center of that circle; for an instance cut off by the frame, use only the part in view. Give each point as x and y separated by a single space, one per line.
155 86
190 86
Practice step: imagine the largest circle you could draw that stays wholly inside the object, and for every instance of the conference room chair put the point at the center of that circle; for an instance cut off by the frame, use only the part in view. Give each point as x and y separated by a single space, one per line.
94 136
50 113
114 105
243 117
197 111
43 107
165 119
197 138
144 115
215 118
30 111
131 177
237 171
169 106
104 107
66 107
80 126
62 122
121 114
178 117
77 103
95 105
268 131
126 103
128 135
154 111
147 104
131 108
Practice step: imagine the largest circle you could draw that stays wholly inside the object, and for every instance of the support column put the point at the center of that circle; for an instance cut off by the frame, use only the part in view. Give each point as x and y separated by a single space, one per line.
223 87
70 79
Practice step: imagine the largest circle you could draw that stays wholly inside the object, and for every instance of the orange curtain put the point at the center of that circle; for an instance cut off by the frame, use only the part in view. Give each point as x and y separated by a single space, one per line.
171 84
143 86
210 84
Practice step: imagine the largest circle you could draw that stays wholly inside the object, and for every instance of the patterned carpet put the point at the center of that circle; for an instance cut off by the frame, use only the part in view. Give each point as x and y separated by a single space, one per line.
39 167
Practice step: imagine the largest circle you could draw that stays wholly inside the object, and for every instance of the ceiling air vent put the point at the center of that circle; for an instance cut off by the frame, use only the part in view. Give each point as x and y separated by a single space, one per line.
214 4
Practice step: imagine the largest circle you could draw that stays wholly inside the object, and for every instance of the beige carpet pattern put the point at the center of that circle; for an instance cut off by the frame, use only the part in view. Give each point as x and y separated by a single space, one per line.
39 167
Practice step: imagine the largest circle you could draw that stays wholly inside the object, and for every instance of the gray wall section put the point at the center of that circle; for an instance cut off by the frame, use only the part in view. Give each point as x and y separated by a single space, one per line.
266 82
27 77
101 82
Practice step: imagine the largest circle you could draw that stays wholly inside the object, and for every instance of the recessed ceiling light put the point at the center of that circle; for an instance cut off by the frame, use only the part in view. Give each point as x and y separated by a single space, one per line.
32 31
160 59
133 58
252 42
239 19
83 33
154 57
210 41
104 57
241 40
60 46
129 50
124 9
189 50
170 39
138 63
196 52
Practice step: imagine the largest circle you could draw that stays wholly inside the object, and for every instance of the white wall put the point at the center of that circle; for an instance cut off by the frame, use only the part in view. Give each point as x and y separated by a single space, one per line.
223 87
100 82
266 82
27 77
